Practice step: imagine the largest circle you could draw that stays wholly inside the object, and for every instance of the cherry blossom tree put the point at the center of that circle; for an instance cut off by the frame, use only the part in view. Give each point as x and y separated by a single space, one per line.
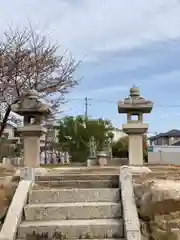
29 62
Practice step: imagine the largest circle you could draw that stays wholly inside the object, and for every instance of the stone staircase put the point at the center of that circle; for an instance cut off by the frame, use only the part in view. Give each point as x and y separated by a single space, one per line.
79 206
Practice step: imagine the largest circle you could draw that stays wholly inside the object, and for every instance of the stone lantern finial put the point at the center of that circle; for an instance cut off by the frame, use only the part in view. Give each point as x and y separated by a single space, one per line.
134 92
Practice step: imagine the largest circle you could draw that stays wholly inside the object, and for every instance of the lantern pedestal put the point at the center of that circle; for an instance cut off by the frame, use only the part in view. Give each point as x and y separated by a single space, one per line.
31 135
92 161
135 147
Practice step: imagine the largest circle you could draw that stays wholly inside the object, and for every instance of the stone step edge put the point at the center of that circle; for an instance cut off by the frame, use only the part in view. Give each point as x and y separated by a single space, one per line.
77 180
73 204
75 183
74 222
71 189
87 239
79 174
78 177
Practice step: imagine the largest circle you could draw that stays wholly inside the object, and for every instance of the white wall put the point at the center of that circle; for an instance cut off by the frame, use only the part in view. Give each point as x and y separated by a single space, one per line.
164 158
166 148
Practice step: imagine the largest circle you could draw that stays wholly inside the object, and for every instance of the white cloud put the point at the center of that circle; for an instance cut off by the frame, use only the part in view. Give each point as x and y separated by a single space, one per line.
154 81
163 78
90 26
100 91
108 89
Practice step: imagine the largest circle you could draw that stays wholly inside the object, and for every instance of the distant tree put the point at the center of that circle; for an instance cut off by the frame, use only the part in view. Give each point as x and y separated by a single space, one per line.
28 61
75 132
120 148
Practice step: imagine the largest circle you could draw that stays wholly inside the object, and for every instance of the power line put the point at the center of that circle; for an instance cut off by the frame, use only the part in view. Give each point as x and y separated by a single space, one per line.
116 102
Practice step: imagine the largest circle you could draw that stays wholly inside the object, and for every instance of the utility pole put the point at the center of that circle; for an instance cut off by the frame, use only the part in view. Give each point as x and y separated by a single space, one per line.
86 108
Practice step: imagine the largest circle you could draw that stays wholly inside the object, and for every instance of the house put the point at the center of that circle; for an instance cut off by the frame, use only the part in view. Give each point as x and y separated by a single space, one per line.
9 131
170 138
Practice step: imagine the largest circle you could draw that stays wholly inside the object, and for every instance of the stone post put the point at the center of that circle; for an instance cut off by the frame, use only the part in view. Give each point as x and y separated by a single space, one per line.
31 137
135 105
33 111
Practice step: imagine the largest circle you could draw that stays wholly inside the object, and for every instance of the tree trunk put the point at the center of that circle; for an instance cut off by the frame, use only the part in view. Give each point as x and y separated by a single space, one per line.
5 119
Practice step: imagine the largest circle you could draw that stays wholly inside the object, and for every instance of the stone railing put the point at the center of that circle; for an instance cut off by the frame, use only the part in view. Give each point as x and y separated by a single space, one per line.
131 220
15 211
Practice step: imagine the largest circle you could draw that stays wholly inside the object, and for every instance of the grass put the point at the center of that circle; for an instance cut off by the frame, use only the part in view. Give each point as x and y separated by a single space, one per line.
7 189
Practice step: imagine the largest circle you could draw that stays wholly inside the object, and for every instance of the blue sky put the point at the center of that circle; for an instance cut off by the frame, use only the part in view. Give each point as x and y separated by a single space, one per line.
122 43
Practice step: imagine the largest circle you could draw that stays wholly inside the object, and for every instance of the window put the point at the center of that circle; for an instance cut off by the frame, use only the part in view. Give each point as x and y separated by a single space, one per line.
6 135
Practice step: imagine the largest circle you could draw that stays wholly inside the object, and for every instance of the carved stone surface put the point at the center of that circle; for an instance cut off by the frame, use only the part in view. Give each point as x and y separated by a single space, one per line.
135 102
31 103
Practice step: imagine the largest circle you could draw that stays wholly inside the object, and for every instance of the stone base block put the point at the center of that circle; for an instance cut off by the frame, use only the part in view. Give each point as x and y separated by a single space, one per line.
102 161
92 162
102 158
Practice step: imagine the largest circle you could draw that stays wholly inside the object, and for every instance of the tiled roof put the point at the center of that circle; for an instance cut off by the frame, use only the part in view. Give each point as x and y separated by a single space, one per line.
171 133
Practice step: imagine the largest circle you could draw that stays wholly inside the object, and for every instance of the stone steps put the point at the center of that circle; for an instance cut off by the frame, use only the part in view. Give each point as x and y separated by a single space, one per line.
76 206
74 229
64 211
74 195
78 184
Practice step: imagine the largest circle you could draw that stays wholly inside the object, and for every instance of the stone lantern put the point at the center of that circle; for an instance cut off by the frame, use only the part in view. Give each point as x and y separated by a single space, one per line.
33 111
135 106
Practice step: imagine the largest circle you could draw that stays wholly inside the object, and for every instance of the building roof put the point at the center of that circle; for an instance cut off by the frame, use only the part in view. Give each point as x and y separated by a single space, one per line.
171 133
